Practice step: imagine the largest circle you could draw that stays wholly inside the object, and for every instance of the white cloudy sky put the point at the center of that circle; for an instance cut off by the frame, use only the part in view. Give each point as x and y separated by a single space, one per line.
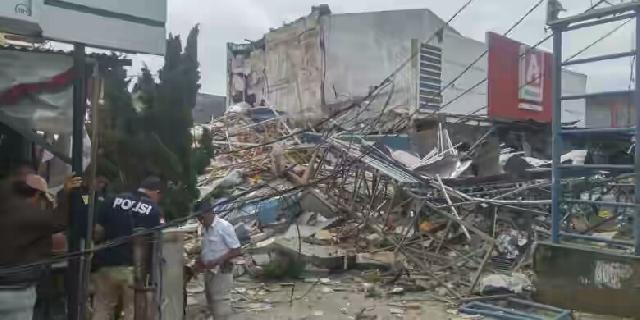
234 21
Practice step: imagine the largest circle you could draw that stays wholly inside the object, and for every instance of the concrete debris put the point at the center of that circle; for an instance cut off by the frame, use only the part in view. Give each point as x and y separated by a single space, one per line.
516 283
377 260
397 291
410 219
327 290
396 311
512 243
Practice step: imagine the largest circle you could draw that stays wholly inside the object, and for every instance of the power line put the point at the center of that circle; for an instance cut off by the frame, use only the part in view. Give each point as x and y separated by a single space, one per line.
537 45
608 34
468 90
371 93
176 222
506 33
484 53
231 205
515 25
598 40
122 240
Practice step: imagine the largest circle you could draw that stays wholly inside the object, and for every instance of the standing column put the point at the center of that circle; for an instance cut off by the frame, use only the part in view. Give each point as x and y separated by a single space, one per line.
556 192
75 299
636 101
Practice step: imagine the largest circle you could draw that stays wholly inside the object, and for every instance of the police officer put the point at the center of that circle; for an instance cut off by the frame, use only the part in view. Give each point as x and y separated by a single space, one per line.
118 218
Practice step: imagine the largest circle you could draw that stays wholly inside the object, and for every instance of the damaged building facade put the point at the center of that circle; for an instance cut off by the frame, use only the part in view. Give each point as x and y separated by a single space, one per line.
460 201
320 63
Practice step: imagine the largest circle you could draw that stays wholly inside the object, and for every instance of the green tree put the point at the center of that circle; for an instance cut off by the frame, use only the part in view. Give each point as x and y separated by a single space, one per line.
172 116
204 152
149 129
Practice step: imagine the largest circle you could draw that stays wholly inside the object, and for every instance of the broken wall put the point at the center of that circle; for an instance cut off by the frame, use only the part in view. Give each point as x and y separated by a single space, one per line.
294 68
246 72
322 62
364 48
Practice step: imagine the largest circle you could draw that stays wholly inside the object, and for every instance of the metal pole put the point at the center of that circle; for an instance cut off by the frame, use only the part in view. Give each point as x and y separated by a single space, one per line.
636 96
79 97
75 299
556 182
96 96
140 258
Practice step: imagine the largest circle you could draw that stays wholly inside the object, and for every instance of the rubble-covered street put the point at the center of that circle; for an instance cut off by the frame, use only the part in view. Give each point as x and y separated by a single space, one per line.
339 227
363 160
342 297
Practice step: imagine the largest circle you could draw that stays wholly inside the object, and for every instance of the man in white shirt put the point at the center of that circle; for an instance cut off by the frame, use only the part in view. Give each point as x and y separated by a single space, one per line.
219 245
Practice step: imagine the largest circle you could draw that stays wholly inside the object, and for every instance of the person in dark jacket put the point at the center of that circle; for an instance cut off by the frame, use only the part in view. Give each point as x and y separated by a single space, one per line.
25 239
119 217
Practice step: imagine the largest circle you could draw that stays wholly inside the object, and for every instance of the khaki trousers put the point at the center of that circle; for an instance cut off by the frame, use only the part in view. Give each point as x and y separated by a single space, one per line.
218 290
112 285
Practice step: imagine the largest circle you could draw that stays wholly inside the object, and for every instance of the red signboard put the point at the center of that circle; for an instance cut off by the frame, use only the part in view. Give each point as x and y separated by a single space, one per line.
519 81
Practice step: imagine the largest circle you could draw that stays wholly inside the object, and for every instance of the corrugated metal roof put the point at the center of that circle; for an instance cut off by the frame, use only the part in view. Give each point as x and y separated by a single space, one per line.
389 168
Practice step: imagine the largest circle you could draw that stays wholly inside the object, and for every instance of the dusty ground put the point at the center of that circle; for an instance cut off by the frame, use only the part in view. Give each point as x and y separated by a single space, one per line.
333 297
317 299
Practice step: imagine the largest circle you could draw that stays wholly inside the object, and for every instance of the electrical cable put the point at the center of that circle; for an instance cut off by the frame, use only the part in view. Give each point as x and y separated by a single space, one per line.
598 40
485 52
468 90
535 46
176 222
125 239
375 89
540 42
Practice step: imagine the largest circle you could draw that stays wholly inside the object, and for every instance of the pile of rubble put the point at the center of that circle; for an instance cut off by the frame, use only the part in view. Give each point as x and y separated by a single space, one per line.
304 201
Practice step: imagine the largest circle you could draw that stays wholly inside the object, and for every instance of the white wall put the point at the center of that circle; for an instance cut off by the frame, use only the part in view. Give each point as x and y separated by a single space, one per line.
574 110
293 69
364 48
346 54
458 53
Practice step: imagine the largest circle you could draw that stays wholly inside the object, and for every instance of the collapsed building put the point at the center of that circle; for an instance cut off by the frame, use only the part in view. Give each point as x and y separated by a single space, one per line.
319 64
325 60
385 140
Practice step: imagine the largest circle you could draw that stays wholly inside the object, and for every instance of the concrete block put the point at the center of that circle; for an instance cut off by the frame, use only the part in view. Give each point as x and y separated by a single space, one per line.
587 279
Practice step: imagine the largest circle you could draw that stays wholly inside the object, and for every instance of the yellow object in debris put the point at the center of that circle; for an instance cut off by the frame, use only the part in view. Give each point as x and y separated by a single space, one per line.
255 180
324 235
425 227
604 214
428 227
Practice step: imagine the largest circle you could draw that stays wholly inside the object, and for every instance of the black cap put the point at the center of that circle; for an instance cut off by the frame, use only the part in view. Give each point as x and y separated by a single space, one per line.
202 207
152 183
208 206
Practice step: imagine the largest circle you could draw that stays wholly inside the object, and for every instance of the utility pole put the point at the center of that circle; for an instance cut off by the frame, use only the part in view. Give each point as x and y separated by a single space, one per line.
140 272
76 302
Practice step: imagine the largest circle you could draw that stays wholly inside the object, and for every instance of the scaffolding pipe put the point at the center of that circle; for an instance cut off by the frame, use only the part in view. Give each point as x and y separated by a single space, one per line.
636 96
140 270
556 178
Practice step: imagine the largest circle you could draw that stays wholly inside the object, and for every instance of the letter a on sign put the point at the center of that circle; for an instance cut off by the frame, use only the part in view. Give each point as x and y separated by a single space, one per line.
531 71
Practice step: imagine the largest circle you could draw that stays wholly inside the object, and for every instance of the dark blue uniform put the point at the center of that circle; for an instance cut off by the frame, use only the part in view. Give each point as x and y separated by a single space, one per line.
119 216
